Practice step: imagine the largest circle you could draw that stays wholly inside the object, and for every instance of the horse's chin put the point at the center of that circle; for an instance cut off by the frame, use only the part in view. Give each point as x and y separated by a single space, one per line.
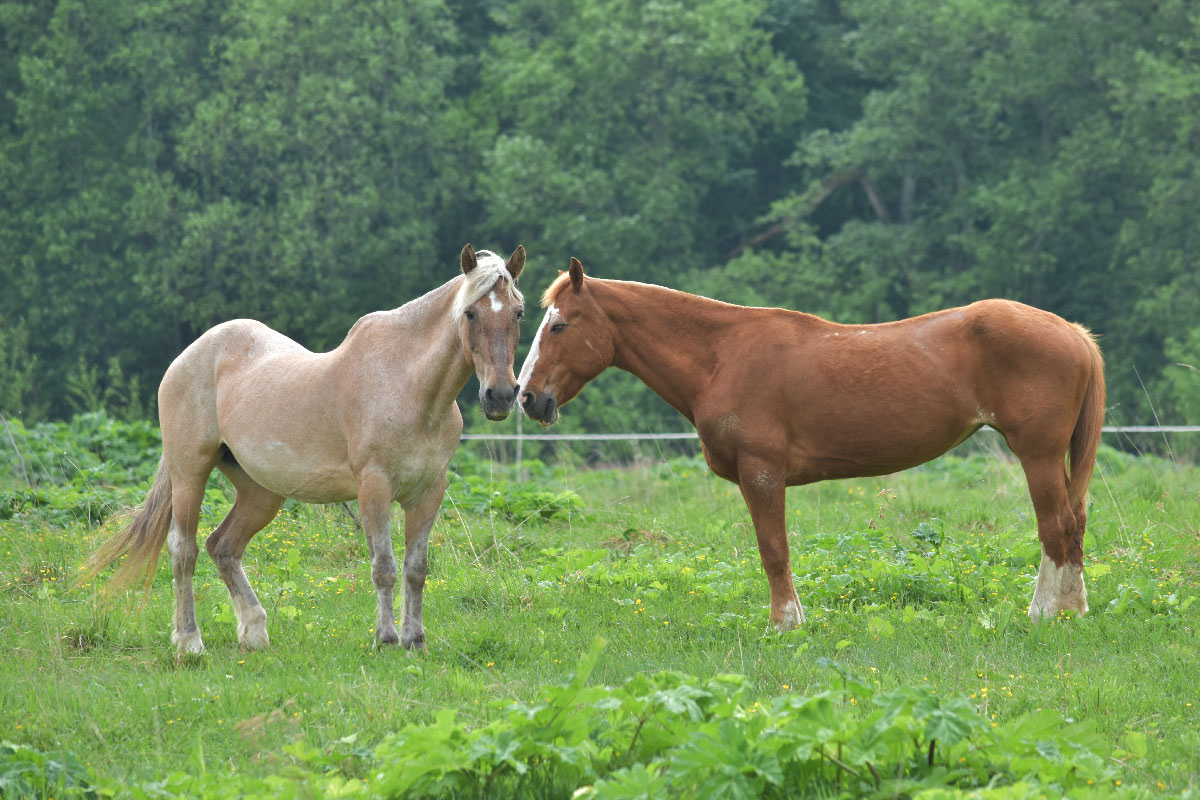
496 416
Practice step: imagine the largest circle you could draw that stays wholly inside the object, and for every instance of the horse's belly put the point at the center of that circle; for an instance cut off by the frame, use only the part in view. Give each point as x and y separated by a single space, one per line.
291 472
873 451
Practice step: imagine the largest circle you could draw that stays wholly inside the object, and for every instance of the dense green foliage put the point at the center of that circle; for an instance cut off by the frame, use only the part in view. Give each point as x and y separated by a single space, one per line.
169 164
663 735
916 675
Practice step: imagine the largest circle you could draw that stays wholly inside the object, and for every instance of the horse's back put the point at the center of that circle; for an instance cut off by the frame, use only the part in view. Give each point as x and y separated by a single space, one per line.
878 398
224 353
187 394
270 401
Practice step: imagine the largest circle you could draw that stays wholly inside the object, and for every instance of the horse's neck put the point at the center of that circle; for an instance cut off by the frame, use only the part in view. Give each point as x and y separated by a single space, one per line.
417 343
665 338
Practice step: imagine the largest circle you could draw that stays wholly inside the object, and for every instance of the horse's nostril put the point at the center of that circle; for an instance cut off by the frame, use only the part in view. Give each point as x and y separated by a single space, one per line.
487 393
527 398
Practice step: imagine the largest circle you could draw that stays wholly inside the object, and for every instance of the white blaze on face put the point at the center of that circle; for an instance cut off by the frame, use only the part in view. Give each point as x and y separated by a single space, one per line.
536 348
497 305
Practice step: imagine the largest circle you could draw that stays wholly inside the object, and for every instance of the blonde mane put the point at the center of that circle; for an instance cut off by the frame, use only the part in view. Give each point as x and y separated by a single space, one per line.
554 288
488 270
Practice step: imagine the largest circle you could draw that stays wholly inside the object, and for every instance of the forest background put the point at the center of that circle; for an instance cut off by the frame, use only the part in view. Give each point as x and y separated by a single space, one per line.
169 164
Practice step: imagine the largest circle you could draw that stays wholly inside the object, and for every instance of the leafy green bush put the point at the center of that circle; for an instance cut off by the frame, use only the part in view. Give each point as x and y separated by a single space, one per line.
91 447
62 505
669 734
77 471
663 735
29 773
516 502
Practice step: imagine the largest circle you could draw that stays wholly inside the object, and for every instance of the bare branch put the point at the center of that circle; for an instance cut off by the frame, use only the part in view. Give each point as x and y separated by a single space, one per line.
876 201
805 205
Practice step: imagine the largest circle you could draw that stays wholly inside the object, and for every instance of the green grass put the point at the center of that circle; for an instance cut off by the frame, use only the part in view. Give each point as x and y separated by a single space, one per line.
918 579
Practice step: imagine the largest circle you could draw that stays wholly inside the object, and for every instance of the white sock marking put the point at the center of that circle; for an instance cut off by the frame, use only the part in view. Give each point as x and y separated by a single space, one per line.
793 616
1058 589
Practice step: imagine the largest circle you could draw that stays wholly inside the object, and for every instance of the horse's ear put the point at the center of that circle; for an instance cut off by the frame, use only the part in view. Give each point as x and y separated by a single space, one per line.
468 259
576 274
516 262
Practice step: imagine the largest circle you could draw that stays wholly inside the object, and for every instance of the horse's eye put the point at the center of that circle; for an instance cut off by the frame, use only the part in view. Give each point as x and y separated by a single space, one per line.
557 327
470 314
520 313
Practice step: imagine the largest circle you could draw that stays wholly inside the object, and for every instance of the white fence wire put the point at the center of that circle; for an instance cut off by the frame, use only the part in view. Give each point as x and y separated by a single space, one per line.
621 437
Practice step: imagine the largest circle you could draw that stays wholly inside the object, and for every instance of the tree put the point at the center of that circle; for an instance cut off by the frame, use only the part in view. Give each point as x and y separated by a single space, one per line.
310 178
1011 150
631 135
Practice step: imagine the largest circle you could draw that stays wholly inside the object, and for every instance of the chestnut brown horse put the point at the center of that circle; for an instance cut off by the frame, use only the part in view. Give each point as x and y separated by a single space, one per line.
375 419
781 398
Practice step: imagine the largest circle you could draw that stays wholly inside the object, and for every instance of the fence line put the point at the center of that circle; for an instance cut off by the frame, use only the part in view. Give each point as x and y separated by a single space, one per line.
620 437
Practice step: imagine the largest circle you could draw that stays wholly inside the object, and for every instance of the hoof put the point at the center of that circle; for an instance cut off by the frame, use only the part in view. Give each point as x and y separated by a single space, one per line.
254 639
1039 612
415 642
1059 588
790 617
188 643
387 639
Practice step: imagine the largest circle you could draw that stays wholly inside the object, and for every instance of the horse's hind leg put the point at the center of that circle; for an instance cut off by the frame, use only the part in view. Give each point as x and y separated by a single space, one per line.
1060 579
187 491
253 509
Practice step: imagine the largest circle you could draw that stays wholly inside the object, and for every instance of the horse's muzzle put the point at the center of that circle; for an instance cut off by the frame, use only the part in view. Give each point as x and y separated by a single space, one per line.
540 407
497 403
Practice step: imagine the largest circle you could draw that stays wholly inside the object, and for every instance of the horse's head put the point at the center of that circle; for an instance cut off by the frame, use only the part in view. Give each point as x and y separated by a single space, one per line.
574 344
489 309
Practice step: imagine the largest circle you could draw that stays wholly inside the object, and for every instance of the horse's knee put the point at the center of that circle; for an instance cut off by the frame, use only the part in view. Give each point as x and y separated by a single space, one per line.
383 572
415 572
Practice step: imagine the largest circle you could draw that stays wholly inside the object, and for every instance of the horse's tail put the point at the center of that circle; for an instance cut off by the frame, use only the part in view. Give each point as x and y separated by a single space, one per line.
142 539
1085 439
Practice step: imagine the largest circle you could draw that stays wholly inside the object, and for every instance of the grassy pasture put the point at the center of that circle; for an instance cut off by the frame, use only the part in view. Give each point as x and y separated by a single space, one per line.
919 579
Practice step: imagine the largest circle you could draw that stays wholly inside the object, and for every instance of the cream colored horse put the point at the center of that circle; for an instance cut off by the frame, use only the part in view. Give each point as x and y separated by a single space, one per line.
376 419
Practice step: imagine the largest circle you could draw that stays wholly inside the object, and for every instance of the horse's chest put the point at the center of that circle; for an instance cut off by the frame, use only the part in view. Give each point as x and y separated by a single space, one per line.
415 460
719 437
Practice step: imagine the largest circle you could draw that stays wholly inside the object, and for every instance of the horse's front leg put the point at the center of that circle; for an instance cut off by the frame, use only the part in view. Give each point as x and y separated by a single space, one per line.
375 506
418 520
764 489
